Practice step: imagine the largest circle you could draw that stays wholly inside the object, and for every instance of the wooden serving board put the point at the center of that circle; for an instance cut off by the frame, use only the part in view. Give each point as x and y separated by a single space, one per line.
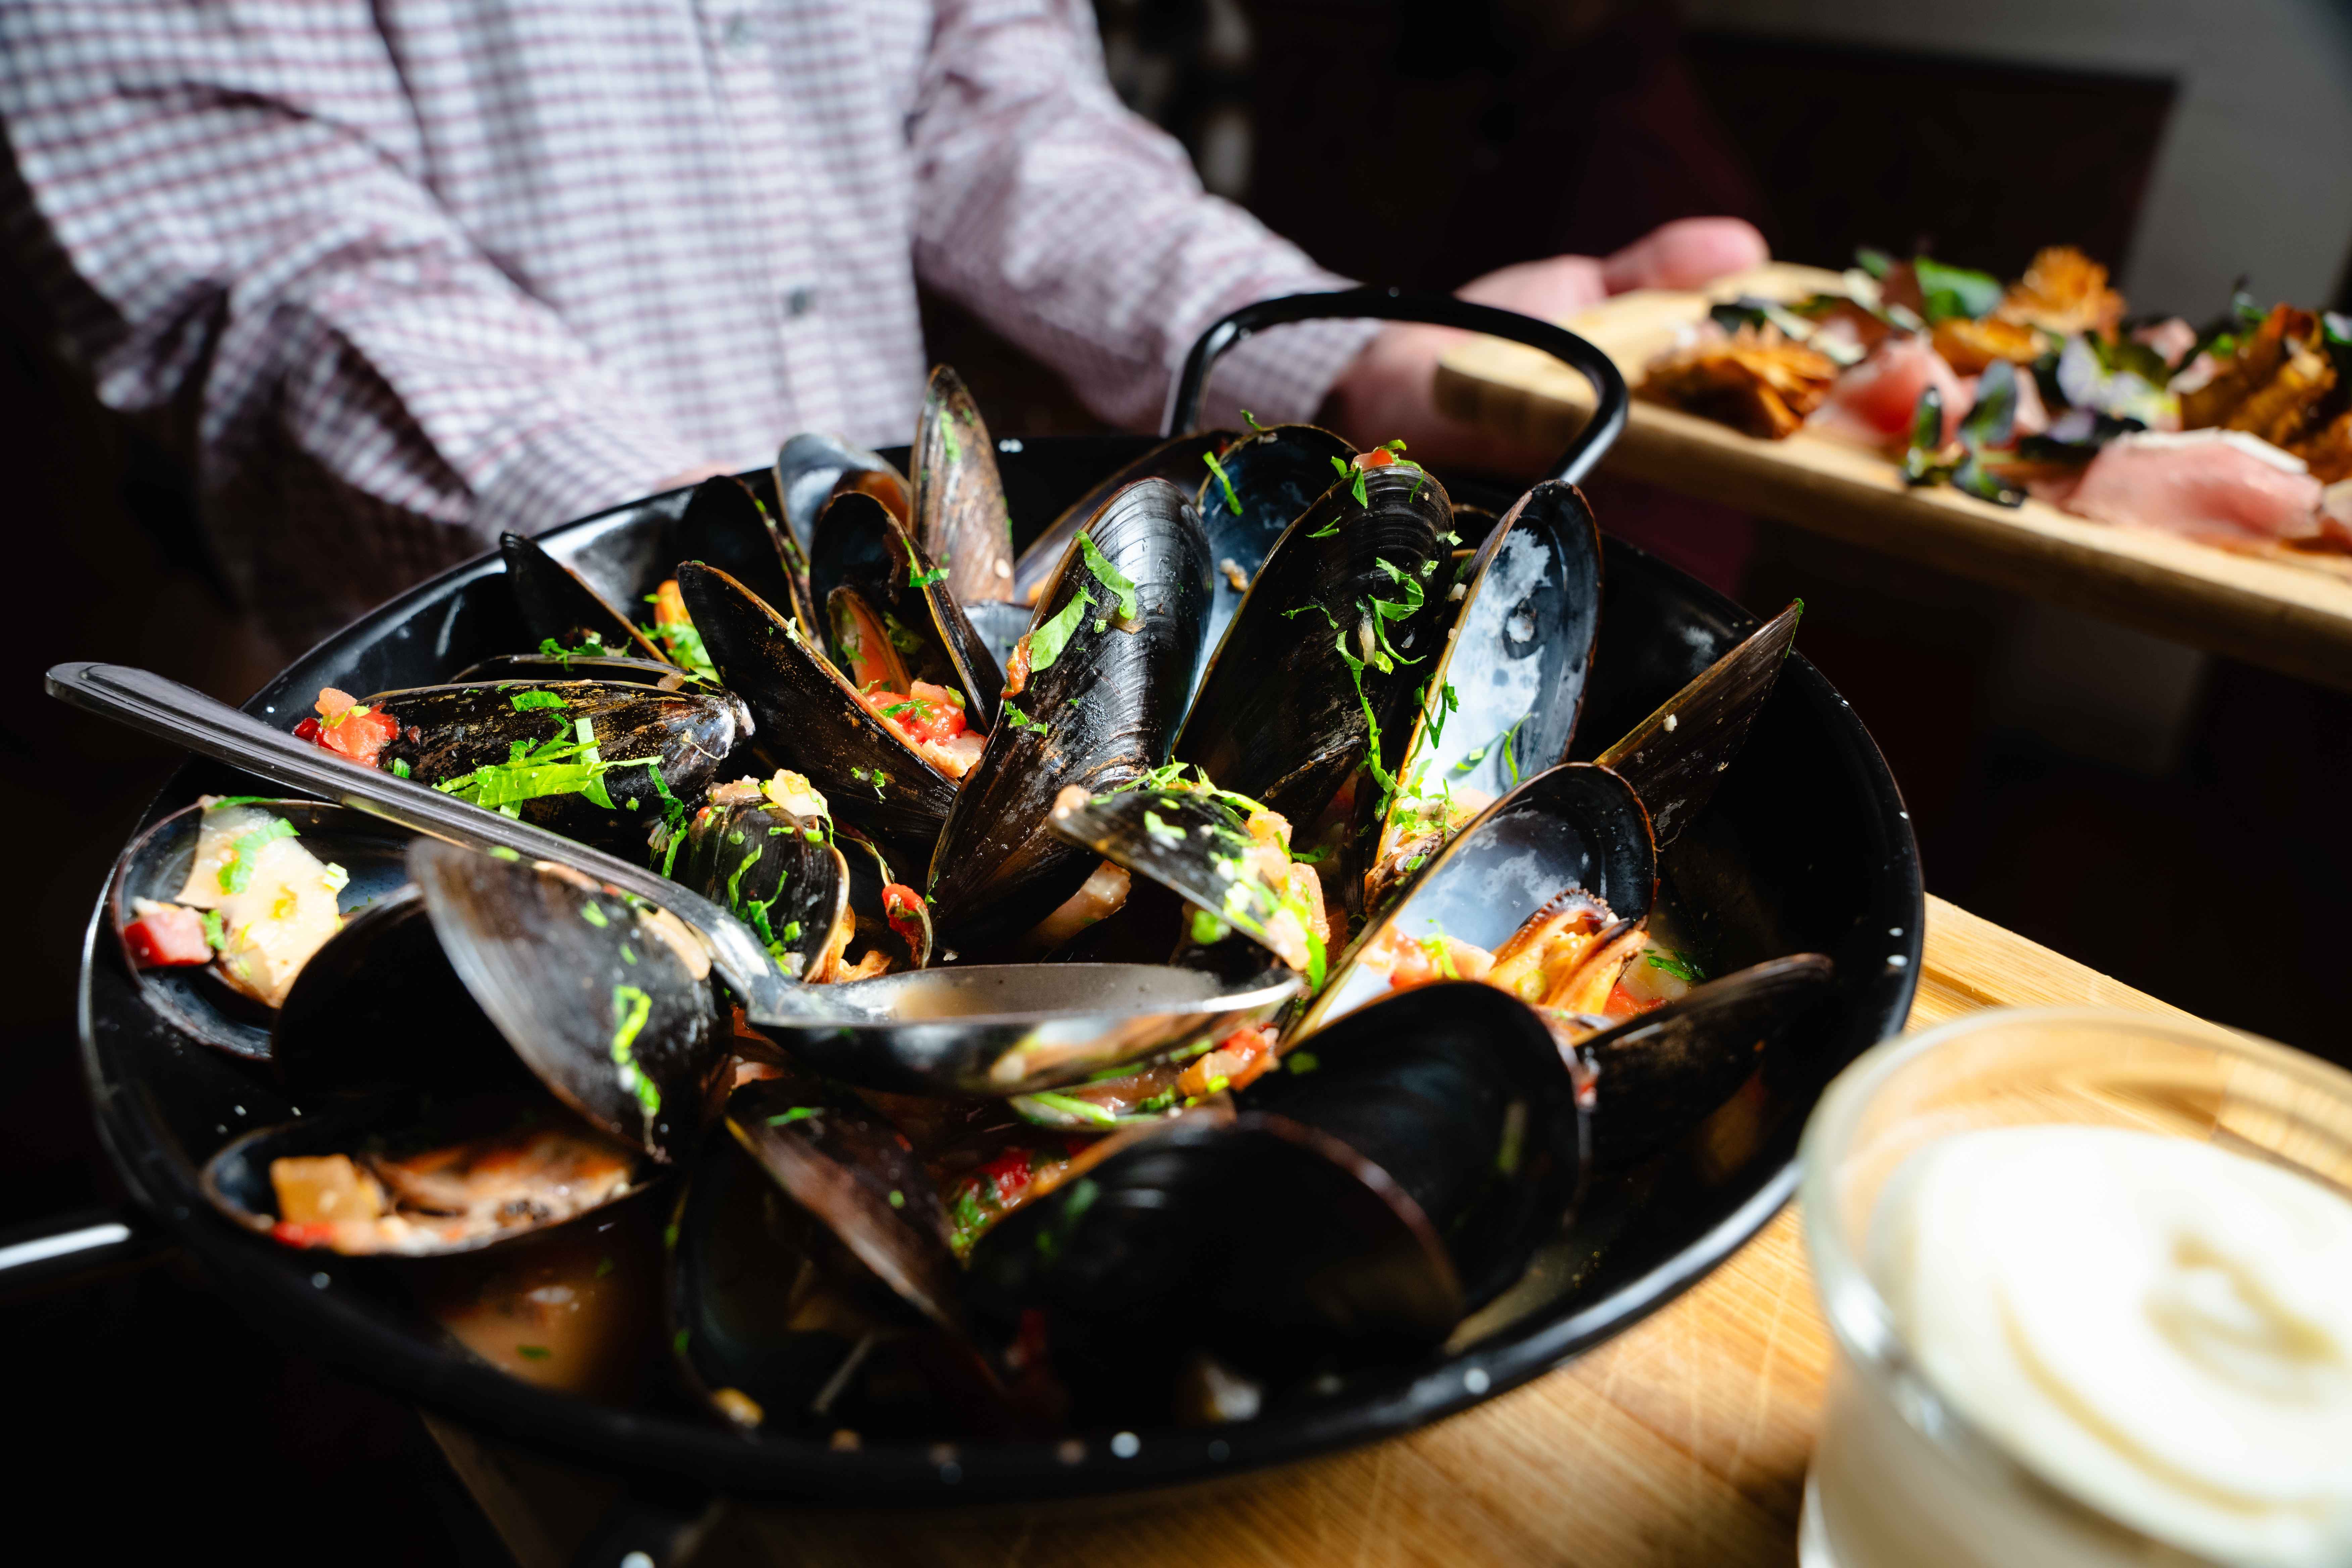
1682 1441
2291 610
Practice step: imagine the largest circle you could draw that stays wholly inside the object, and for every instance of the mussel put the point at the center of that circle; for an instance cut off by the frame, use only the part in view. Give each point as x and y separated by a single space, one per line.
1254 490
1180 461
598 760
812 468
776 869
889 620
961 518
1092 700
725 525
559 606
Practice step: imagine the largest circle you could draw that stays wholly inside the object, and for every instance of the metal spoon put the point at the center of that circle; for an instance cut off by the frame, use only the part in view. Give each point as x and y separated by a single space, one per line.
968 1030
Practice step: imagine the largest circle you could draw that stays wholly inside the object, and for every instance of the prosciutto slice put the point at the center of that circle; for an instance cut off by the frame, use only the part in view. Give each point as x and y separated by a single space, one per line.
2222 486
1871 405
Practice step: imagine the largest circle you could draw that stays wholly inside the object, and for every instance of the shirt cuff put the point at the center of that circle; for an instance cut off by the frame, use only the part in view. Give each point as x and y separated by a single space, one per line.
578 466
1283 374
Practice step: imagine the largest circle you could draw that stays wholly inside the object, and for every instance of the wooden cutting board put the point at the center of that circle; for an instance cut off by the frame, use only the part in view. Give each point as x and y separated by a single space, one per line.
2291 610
1682 1441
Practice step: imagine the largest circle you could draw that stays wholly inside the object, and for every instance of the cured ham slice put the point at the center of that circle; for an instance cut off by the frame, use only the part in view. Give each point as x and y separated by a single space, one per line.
1871 405
2224 485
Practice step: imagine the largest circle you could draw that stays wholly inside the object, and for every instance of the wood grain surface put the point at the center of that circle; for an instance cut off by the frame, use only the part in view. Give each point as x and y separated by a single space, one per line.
1682 1441
2291 610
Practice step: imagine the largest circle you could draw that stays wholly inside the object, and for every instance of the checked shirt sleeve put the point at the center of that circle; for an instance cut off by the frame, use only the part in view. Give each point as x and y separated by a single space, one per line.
1080 231
230 204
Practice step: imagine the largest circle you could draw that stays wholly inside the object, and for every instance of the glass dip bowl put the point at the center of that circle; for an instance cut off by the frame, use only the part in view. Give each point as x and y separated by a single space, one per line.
1900 1473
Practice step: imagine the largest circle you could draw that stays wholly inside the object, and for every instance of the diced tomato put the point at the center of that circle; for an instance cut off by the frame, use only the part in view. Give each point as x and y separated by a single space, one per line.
347 729
167 935
1011 1171
902 907
1377 457
1624 1003
294 1234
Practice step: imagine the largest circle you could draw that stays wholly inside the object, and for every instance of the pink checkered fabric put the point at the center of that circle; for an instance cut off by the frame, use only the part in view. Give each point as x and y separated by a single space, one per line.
414 271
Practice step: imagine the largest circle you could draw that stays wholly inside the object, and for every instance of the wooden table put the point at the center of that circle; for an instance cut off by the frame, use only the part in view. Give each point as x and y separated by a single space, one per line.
1682 1441
2289 610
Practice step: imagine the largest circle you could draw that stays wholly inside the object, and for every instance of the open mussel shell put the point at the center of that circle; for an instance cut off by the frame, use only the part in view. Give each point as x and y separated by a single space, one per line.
1179 461
1505 693
1660 1074
725 525
1458 1092
157 865
867 554
1574 826
607 668
811 719
890 914
1268 1244
995 1030
778 1324
1258 489
237 1180
1191 843
448 731
1675 757
811 466
380 1009
556 602
1096 712
961 519
609 1007
775 872
1281 715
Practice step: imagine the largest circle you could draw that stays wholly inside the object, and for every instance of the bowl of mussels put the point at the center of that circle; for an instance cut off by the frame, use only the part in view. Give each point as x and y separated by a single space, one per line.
1005 967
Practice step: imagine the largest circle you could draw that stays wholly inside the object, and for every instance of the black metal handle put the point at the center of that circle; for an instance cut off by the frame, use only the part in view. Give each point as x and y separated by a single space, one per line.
1431 310
68 1250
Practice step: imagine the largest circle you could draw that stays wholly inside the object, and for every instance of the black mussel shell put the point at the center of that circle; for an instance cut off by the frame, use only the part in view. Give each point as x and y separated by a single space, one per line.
1509 683
890 914
1282 716
1177 462
557 603
810 468
810 718
237 1180
608 1006
1658 1074
1000 628
1266 1244
725 525
380 1009
1677 755
1574 826
777 1325
1192 844
977 1029
1458 1091
448 731
775 872
562 665
961 519
1097 713
867 553
157 863
1257 489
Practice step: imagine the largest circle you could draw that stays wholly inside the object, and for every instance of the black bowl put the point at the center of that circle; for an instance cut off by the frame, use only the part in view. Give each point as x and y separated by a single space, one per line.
1806 847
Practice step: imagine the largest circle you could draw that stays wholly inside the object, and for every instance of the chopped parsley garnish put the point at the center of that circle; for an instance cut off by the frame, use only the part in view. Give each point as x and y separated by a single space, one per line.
1327 530
1020 721
236 871
898 1199
595 916
215 935
1083 1109
1047 643
1115 581
1676 964
919 578
1301 1062
631 1007
501 852
948 439
796 1113
555 766
684 644
534 1353
1253 420
1218 468
400 770
1161 832
1207 928
873 776
524 701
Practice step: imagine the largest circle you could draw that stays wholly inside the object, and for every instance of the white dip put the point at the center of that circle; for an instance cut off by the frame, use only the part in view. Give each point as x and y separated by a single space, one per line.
2157 1326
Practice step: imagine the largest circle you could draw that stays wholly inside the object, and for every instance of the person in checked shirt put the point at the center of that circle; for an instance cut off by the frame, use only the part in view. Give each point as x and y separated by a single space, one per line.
407 273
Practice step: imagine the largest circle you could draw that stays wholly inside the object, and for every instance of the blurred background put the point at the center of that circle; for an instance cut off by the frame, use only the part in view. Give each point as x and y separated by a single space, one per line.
2165 816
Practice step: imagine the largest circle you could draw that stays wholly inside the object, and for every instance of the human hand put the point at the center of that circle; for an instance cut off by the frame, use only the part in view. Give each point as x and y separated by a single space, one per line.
1389 390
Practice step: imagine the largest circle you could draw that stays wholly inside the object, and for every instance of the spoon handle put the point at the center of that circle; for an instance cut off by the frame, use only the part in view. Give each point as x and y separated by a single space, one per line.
164 708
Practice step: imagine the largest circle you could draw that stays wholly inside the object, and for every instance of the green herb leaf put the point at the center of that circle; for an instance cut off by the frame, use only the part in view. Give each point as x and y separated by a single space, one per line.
1115 581
631 1007
1676 964
524 701
1047 643
236 872
917 578
1020 721
1218 468
215 933
595 916
534 1353
797 1114
400 770
1951 291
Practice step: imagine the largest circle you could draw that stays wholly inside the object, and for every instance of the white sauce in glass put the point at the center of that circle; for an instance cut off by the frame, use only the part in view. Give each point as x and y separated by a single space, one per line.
2160 1327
